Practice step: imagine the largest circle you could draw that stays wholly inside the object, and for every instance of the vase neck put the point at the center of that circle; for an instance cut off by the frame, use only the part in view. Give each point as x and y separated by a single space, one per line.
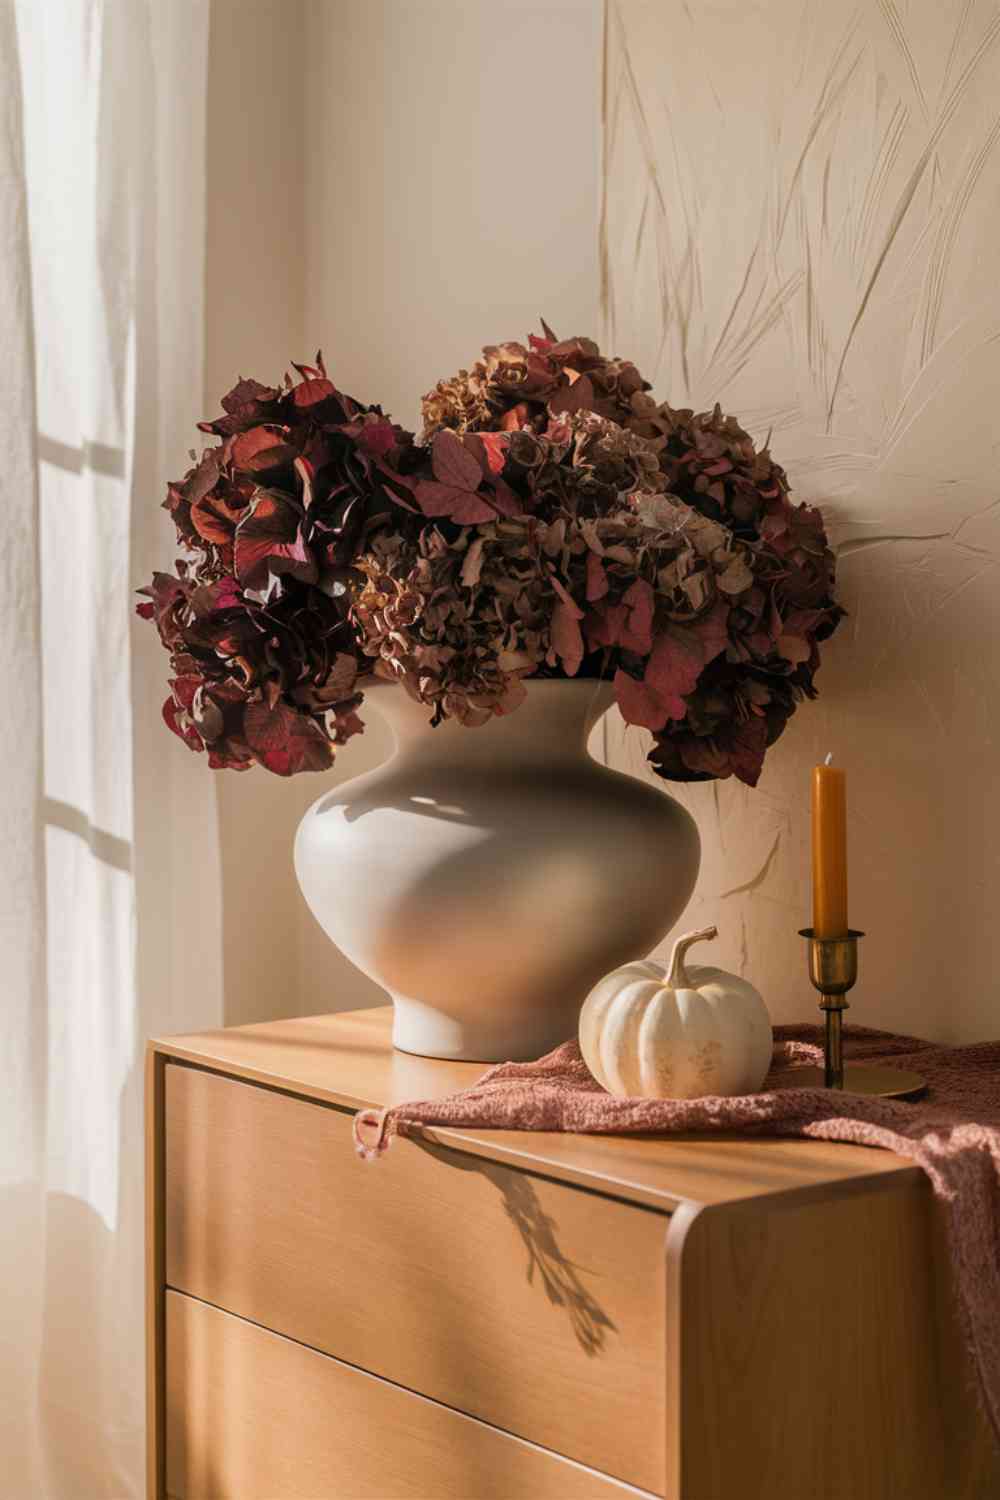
552 725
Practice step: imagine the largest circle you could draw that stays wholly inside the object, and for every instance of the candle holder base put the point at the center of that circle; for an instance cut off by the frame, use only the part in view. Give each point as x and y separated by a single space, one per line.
874 1081
833 969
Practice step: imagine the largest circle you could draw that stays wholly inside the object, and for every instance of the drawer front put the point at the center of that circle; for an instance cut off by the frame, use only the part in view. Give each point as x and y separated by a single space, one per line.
253 1416
531 1304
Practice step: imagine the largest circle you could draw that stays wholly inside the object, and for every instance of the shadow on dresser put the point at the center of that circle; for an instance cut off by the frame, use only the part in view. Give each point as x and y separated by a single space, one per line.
560 1278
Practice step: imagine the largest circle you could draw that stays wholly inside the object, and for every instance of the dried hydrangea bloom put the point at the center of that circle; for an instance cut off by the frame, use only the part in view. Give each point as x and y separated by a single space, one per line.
264 661
554 520
518 386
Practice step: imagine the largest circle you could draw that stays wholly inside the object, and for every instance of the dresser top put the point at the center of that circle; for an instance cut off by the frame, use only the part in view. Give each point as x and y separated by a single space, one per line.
348 1060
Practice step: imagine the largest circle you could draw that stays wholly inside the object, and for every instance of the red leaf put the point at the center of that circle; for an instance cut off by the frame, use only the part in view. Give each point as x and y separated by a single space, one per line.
739 753
493 449
515 418
463 506
567 638
639 600
749 745
679 655
567 599
203 478
311 392
215 520
246 404
376 438
597 579
453 464
286 741
605 625
249 449
505 500
247 396
221 594
576 397
176 711
269 542
638 703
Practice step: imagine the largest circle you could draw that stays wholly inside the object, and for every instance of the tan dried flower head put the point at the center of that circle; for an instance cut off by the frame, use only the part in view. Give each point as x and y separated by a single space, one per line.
554 520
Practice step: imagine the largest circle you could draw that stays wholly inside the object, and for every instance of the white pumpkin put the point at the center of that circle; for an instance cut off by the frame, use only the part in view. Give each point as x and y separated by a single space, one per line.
676 1032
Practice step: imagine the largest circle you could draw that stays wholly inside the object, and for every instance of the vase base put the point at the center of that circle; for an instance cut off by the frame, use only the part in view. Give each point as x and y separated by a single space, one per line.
422 1030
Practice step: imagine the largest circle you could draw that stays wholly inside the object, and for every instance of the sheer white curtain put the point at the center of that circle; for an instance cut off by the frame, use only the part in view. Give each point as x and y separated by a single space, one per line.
109 888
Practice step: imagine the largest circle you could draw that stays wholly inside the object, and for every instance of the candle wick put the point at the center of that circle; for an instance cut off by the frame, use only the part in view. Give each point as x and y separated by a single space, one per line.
829 759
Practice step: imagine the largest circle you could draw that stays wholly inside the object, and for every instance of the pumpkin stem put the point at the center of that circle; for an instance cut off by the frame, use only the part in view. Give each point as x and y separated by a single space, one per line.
677 978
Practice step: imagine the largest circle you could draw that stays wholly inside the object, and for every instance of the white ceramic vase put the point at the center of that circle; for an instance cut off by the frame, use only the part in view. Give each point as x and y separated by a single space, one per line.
487 878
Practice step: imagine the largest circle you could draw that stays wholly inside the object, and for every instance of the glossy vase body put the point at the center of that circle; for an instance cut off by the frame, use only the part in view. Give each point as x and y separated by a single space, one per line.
487 878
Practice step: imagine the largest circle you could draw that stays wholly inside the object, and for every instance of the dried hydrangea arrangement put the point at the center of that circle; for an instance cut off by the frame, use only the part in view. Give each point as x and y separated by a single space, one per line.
553 520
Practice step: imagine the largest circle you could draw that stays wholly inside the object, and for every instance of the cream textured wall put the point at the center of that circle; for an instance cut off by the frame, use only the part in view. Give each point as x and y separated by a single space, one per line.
453 182
802 205
398 181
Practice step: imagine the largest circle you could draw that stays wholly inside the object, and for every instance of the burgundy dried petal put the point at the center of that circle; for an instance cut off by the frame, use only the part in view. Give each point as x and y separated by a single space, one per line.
490 449
269 542
215 519
639 600
638 702
605 625
453 465
505 500
515 418
680 653
657 540
377 438
177 711
260 448
459 505
597 579
567 638
246 404
576 397
247 395
203 477
286 741
312 392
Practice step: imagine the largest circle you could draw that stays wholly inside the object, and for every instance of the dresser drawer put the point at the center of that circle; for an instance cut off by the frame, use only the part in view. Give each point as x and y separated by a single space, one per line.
531 1304
253 1416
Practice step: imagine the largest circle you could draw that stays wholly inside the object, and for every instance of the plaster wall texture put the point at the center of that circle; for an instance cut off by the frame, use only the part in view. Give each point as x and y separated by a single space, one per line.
797 207
801 204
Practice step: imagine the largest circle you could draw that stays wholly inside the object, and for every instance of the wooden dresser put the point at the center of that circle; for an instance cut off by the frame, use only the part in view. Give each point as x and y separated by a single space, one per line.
490 1315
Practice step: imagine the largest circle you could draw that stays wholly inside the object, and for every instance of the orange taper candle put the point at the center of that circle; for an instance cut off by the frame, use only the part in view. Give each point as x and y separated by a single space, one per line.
829 851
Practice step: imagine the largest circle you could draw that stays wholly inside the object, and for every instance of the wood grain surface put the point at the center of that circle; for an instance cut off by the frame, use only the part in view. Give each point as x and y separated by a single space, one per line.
813 1351
703 1318
348 1059
251 1416
520 1300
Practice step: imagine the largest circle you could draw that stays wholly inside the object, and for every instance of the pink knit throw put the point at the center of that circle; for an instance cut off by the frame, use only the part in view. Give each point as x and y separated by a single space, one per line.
952 1131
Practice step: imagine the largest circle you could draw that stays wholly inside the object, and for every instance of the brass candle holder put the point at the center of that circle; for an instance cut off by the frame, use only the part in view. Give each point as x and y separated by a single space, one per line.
833 970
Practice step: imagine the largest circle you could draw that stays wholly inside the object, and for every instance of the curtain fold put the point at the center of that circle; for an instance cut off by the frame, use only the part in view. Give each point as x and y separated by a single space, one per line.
109 861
